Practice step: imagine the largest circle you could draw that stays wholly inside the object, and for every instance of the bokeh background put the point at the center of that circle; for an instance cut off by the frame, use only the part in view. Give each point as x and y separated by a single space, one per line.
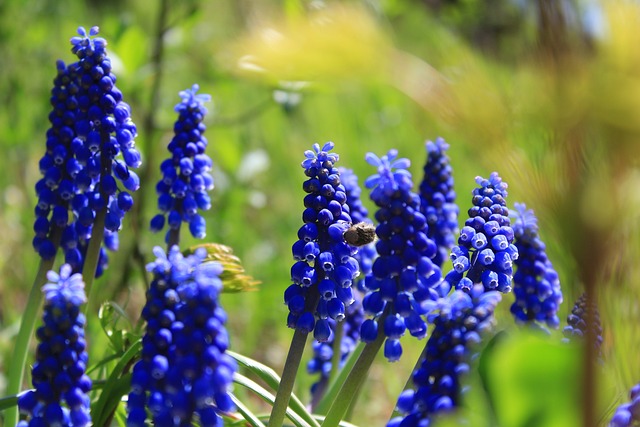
546 93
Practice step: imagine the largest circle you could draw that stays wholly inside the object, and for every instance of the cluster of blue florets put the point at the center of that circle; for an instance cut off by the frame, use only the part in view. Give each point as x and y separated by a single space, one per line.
90 150
577 322
460 322
437 199
485 251
186 181
325 268
183 369
354 315
536 285
628 414
60 383
403 275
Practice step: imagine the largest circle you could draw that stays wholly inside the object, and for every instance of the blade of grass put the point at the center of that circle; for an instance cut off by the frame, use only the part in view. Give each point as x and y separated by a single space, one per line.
249 416
272 379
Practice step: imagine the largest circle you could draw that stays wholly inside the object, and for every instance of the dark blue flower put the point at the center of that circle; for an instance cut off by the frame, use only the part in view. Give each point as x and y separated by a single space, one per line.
577 324
90 150
403 276
628 414
437 199
60 384
186 181
184 368
324 270
536 285
460 322
485 251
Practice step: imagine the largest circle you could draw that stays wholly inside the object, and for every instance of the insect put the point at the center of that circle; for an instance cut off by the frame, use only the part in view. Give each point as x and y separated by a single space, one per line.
360 234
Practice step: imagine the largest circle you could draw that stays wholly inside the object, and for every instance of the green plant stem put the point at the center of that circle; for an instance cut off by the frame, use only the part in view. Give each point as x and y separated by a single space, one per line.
174 238
291 365
27 325
355 378
337 350
93 255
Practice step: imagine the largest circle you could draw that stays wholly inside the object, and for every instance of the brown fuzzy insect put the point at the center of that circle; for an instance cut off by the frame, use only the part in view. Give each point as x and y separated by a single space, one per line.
360 234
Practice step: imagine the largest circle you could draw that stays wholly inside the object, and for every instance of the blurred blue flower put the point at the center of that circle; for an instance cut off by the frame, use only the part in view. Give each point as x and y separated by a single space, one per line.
628 414
460 322
60 383
186 181
536 285
184 369
485 251
403 276
437 199
325 268
577 324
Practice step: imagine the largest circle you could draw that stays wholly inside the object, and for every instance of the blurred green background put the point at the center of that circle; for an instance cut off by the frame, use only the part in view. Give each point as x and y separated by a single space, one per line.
514 85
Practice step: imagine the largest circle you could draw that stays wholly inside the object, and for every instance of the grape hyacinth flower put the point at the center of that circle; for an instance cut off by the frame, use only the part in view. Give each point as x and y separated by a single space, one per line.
462 321
321 363
325 267
184 368
536 285
437 199
90 150
60 383
186 180
628 414
577 322
403 276
485 251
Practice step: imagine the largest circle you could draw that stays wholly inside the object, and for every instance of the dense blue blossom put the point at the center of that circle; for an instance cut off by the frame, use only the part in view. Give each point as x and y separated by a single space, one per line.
577 322
60 383
536 285
628 414
323 351
324 270
186 181
403 276
485 251
437 199
183 369
90 150
461 321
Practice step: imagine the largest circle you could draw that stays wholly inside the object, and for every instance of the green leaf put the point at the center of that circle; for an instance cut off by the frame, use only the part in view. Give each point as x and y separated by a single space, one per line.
249 416
272 379
268 397
533 381
113 389
336 384
109 314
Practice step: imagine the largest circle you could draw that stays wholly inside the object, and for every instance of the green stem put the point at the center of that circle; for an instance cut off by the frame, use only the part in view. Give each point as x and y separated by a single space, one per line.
337 350
27 325
409 382
289 373
174 238
93 255
355 378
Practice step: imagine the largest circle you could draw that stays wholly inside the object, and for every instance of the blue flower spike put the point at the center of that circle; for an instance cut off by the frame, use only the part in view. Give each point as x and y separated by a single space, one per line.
403 276
437 199
59 374
536 285
628 414
183 191
354 315
577 325
485 252
460 322
90 154
325 266
184 369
